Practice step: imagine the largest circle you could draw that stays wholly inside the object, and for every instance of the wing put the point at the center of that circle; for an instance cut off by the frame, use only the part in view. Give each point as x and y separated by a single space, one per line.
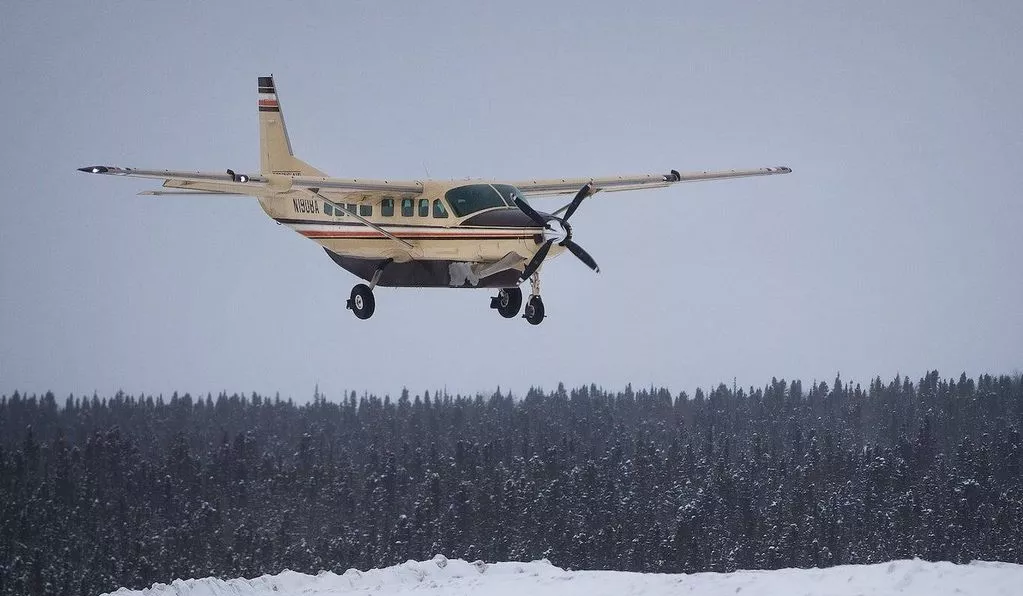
352 190
564 186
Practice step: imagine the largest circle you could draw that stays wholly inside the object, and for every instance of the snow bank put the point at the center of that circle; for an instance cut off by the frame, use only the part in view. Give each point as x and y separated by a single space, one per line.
443 577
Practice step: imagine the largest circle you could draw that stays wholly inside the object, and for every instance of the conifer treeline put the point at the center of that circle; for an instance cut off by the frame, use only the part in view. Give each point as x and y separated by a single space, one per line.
101 493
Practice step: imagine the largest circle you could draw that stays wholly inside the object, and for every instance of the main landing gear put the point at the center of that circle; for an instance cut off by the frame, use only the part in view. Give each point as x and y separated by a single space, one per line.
509 300
362 302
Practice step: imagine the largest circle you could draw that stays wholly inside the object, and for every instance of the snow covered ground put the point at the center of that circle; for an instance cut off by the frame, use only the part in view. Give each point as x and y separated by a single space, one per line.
443 577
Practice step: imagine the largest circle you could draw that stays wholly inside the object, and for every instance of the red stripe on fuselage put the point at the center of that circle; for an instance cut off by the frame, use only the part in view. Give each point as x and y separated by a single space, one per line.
371 234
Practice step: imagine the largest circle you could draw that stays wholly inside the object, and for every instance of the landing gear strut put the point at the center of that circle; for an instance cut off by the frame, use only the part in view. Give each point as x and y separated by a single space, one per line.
507 302
534 308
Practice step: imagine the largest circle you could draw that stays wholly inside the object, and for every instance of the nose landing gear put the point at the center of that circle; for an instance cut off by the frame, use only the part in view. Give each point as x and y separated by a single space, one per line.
534 310
534 314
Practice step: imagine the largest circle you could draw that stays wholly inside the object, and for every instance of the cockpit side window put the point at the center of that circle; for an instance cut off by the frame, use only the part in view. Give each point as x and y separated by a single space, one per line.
438 209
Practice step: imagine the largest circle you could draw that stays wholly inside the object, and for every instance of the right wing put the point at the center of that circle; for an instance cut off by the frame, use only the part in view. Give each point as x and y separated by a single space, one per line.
564 186
352 190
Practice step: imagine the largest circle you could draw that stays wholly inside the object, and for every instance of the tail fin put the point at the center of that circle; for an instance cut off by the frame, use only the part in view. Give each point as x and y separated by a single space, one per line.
275 155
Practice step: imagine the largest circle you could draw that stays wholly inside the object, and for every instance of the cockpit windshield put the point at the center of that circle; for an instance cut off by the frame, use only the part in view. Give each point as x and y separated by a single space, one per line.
477 197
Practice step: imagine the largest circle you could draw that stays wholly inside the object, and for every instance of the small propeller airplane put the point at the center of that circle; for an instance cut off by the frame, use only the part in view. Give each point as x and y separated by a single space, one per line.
412 233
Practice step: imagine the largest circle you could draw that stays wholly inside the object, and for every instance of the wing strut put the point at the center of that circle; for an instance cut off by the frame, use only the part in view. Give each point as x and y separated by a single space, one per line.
340 207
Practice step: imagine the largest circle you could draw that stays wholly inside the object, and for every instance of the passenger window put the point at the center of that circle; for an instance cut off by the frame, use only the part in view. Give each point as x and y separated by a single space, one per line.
352 207
424 207
407 205
366 210
328 210
387 207
438 209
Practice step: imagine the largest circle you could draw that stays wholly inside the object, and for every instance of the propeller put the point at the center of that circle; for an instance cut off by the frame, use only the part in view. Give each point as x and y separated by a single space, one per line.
577 200
582 254
567 242
538 258
532 213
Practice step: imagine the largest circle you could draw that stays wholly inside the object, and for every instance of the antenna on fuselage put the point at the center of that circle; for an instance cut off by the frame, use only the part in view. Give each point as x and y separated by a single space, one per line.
428 176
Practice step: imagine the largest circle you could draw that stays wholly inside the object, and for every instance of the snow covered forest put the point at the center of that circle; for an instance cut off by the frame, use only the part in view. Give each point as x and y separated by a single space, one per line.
97 493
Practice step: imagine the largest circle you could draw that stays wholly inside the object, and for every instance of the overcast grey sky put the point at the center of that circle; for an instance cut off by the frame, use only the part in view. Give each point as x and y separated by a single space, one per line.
893 247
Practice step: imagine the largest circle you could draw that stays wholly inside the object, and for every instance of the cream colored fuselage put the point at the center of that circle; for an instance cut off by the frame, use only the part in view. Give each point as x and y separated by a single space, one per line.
432 237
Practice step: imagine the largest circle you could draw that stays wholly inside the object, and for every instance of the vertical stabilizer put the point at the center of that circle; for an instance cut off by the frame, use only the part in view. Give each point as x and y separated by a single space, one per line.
275 155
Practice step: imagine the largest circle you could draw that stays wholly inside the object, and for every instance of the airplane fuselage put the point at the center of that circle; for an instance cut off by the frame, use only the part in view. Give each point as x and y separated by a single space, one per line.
451 241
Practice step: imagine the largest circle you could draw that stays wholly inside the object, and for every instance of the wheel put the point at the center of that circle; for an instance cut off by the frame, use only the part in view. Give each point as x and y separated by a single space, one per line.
508 301
534 310
362 302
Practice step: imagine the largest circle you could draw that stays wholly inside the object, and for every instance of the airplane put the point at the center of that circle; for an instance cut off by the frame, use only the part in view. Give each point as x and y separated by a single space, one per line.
414 233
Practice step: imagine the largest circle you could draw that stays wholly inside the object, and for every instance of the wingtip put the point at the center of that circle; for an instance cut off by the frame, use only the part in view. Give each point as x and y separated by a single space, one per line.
94 169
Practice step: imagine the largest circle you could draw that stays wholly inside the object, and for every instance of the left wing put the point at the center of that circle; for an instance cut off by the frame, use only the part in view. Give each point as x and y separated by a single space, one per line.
564 186
230 183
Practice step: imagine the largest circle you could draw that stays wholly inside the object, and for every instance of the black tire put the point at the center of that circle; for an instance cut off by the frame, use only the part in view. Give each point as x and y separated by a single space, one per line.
534 310
509 301
362 302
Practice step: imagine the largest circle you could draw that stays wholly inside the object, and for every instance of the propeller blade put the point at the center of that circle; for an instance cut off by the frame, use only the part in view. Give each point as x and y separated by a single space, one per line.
537 259
582 254
584 192
532 213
